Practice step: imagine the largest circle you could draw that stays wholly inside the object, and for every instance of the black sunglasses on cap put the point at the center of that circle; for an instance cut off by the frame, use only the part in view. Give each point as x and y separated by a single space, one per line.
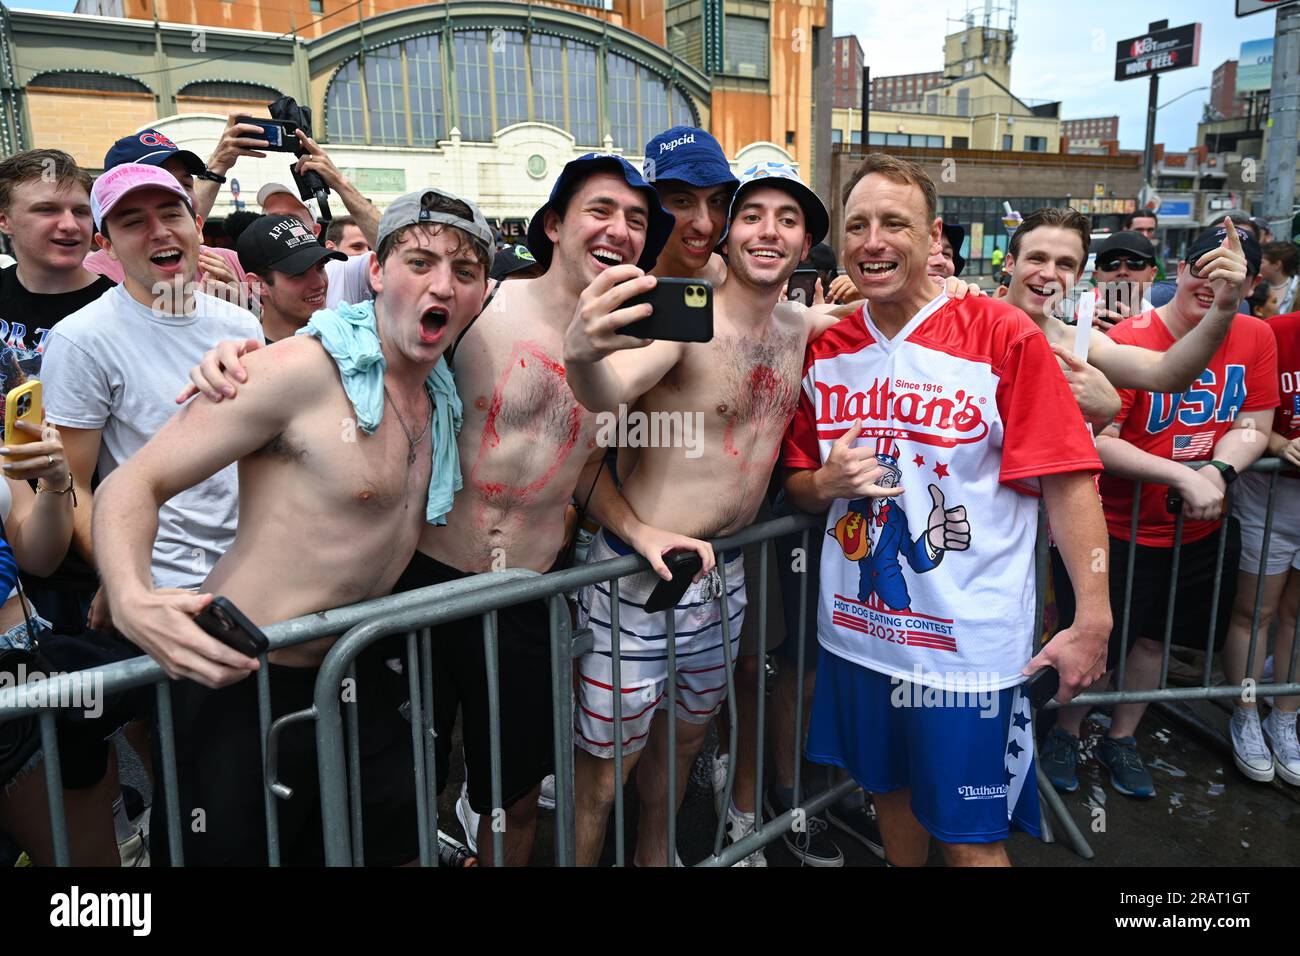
1134 265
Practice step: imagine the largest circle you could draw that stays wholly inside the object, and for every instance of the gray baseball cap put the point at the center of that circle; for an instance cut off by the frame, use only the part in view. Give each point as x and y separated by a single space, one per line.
413 208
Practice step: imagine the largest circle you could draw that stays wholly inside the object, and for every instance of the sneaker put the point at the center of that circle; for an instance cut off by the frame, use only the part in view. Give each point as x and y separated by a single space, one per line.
860 823
1059 758
134 851
546 796
468 819
813 846
718 768
1249 751
1279 731
1120 756
739 826
453 853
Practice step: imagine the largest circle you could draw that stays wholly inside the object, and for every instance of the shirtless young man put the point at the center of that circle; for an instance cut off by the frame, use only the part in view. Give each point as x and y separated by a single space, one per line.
325 521
525 445
744 383
1046 258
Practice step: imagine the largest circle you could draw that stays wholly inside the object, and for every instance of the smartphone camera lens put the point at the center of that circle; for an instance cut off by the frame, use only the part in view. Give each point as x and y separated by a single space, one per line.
24 405
223 619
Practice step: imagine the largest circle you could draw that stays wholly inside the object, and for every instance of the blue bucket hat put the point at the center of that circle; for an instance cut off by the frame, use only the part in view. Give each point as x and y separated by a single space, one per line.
660 226
690 155
817 220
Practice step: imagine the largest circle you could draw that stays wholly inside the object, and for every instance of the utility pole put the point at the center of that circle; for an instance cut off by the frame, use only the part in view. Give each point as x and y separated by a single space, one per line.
1149 155
1284 122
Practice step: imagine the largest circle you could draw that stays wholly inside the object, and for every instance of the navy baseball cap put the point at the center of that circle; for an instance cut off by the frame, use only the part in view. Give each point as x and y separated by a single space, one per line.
956 236
689 155
1213 237
153 149
660 226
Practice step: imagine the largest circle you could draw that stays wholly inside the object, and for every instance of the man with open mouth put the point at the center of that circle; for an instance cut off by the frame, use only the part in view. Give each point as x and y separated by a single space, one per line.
329 518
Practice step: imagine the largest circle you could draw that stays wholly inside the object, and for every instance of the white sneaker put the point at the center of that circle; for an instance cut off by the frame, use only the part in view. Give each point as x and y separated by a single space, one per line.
1249 750
468 819
1279 730
719 767
546 797
133 851
740 825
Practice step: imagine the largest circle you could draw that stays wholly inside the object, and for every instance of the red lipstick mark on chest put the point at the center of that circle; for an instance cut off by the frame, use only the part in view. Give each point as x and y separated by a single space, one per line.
763 390
500 492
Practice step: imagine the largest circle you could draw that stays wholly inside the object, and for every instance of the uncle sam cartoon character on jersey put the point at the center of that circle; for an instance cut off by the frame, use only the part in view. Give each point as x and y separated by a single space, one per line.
874 532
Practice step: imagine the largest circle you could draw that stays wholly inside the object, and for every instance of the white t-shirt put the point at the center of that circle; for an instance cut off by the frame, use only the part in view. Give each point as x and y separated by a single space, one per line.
965 408
117 365
349 281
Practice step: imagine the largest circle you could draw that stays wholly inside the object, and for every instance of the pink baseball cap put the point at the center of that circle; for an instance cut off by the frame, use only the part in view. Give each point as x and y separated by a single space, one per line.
116 183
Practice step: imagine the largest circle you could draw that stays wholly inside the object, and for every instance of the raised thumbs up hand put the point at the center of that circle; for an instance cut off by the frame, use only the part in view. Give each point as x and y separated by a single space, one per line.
1225 268
947 528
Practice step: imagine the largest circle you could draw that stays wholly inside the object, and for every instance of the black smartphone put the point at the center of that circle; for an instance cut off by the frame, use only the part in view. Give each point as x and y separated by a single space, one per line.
802 286
277 133
684 565
683 311
227 624
1042 686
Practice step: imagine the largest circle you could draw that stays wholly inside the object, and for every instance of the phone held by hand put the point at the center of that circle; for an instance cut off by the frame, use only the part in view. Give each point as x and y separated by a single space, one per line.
802 287
222 620
683 565
683 311
1042 686
23 404
279 134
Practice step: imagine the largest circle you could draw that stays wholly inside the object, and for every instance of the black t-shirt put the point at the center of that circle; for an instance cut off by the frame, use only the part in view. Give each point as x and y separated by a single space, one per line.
25 320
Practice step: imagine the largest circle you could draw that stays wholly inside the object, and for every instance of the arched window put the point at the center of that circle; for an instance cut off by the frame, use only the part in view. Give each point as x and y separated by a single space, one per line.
424 79
509 75
583 97
229 90
386 101
95 82
638 103
683 114
473 90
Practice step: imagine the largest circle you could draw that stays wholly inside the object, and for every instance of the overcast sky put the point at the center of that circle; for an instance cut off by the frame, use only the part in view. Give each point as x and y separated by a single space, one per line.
1065 50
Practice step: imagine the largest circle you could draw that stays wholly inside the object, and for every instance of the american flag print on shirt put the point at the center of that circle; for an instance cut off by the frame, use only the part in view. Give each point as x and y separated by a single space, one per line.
1193 447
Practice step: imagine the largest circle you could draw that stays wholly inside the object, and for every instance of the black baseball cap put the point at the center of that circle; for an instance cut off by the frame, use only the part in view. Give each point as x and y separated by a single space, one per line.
282 244
1132 243
658 231
510 260
153 149
956 236
1213 237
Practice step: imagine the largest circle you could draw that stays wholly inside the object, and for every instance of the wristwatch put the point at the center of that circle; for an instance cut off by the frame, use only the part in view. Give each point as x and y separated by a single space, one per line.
210 176
1226 470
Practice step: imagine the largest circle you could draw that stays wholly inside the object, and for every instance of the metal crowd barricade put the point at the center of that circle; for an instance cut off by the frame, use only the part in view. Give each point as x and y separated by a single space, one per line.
1272 467
418 614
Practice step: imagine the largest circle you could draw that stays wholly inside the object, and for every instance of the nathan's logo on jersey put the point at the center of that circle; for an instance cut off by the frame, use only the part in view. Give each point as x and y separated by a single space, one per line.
1200 404
919 412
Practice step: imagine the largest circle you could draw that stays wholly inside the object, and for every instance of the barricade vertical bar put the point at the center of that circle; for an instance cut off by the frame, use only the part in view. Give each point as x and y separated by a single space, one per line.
353 736
1128 586
562 725
671 783
798 683
1173 592
264 729
1214 600
616 662
171 796
1295 655
54 788
494 730
430 794
761 733
1259 581
417 751
1040 576
733 737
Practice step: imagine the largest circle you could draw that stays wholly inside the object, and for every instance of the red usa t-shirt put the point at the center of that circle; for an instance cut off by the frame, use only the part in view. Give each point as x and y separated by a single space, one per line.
1286 330
1241 377
965 408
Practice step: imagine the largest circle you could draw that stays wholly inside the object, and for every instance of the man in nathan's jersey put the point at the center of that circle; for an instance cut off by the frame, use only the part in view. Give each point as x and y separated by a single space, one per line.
927 599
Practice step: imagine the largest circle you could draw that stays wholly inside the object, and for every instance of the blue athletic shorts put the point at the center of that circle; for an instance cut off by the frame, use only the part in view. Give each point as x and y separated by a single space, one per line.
970 775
